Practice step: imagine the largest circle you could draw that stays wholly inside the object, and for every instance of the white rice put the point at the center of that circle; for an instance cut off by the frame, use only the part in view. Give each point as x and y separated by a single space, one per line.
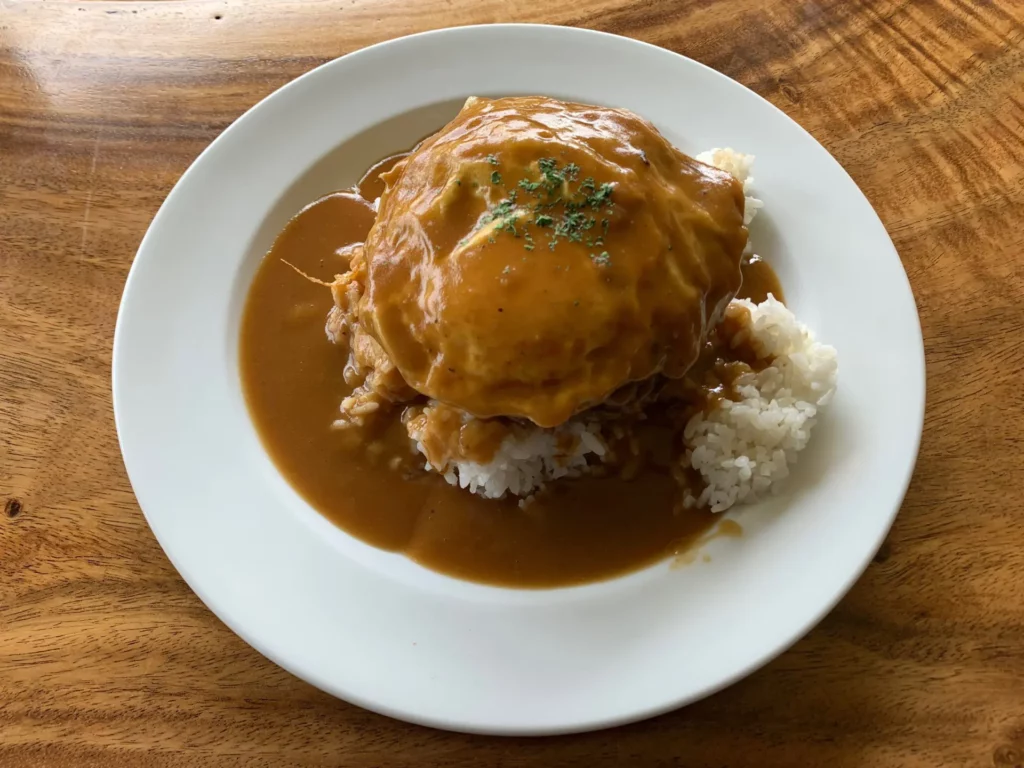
739 165
743 448
525 461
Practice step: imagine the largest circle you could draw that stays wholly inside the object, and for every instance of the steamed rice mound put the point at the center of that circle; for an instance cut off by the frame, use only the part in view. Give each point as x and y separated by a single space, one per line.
744 447
519 462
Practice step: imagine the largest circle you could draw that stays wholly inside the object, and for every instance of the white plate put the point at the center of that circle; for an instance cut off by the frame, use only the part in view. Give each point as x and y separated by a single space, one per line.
376 629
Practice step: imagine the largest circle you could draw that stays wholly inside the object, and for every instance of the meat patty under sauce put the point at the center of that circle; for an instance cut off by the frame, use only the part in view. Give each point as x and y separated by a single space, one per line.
534 256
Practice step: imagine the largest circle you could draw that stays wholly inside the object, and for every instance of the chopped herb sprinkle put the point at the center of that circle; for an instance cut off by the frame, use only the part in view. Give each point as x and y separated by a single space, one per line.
563 211
601 259
598 198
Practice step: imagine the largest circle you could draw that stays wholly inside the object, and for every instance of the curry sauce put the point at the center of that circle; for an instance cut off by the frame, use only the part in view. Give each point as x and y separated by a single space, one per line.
294 379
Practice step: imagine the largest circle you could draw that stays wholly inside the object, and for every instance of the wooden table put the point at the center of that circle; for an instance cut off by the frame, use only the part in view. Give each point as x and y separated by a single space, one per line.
107 658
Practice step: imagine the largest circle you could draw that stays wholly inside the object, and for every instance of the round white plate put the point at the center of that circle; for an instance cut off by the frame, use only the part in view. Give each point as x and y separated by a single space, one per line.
378 630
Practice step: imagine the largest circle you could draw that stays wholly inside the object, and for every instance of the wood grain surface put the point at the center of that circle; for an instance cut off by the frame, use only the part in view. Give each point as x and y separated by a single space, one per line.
107 658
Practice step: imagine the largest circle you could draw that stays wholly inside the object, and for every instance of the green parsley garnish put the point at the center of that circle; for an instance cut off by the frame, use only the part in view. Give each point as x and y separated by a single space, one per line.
601 259
553 178
601 196
571 226
565 212
505 214
501 210
547 165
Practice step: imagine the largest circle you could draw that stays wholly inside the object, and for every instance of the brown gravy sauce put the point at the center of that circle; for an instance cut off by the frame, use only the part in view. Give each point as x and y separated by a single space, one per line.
579 531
